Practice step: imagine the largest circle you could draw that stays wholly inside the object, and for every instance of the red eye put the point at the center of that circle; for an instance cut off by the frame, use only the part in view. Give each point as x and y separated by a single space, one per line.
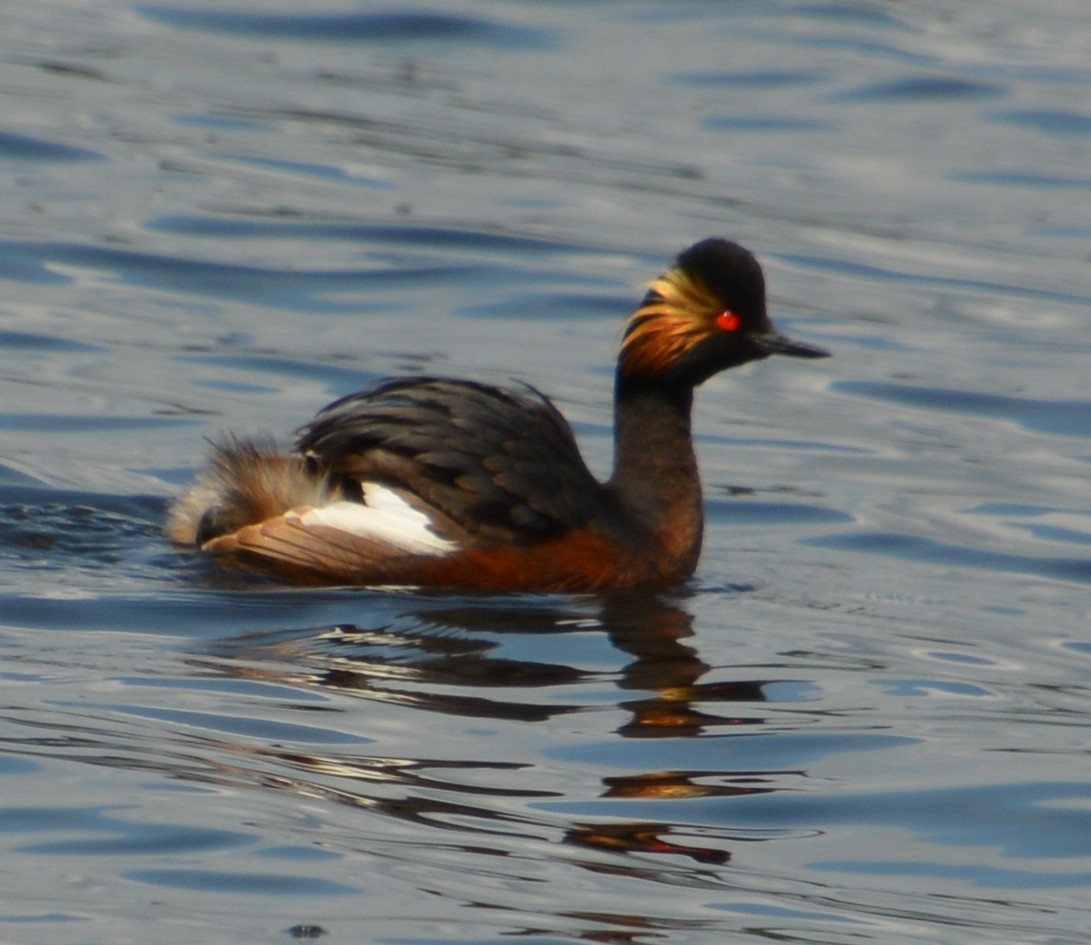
728 321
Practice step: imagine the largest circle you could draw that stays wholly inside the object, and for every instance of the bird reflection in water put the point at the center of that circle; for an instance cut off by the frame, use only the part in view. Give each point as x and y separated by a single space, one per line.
440 656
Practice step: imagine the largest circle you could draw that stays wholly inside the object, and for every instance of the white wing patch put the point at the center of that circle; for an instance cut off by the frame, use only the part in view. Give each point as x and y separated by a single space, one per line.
387 518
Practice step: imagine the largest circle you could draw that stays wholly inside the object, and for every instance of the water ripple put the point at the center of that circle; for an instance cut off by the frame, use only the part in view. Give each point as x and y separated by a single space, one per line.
272 286
1050 121
355 27
932 551
24 148
923 88
1058 417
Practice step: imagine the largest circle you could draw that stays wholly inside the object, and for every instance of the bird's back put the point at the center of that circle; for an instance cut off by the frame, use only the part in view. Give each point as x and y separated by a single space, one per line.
502 464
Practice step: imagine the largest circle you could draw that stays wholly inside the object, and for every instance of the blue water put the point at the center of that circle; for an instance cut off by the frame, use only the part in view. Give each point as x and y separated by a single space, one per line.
863 720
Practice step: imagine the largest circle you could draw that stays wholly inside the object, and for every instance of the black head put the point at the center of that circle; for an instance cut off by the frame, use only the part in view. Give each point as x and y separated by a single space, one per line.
703 315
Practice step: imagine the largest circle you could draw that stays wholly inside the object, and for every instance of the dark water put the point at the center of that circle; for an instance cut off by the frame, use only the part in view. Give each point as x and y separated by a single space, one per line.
865 719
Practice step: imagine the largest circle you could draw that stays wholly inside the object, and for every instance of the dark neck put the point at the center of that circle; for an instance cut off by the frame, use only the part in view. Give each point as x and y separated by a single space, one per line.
655 470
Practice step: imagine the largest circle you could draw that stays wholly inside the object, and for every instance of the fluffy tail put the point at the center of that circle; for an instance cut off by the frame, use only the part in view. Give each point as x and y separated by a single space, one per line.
245 482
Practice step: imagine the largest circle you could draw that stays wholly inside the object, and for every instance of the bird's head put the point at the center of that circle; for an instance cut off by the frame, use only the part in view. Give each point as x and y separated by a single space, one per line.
703 315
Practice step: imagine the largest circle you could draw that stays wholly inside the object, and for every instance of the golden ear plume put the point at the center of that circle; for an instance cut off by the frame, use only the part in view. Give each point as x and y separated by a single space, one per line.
677 313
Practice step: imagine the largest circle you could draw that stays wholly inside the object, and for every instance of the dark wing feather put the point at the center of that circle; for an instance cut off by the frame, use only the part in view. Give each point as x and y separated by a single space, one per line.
500 463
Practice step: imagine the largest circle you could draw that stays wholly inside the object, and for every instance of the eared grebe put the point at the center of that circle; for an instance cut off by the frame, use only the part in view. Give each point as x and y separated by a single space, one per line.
436 482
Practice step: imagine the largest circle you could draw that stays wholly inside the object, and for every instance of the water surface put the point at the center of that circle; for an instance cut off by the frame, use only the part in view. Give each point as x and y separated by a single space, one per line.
865 717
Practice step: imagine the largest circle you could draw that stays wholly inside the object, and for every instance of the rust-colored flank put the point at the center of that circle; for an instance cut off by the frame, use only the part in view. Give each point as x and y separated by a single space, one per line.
437 482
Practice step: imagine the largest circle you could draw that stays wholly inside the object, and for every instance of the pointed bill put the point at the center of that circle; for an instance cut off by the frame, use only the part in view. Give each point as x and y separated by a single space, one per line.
772 342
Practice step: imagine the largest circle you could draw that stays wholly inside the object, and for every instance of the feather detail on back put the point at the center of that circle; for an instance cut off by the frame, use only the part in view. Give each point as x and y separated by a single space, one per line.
499 464
245 482
297 544
385 519
276 509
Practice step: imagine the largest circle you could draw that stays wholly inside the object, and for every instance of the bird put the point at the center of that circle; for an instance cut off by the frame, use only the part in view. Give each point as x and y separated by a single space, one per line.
437 482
